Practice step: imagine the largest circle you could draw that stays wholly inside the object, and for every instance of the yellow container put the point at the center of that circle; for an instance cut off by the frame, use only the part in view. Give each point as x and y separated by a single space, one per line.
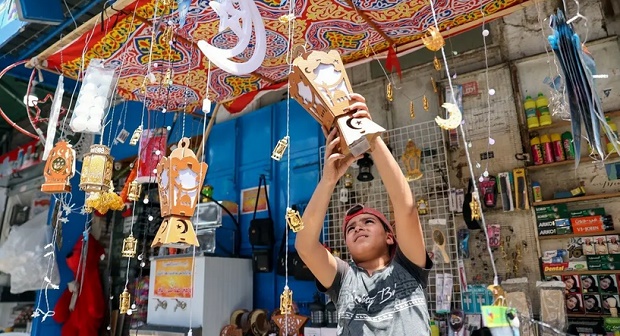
530 112
542 106
614 128
434 329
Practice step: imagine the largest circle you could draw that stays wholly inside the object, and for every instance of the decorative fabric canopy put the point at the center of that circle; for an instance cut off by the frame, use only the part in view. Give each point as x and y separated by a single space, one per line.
125 39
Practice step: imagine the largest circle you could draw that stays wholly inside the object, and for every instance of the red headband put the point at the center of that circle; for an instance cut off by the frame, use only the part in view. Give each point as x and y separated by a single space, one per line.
353 212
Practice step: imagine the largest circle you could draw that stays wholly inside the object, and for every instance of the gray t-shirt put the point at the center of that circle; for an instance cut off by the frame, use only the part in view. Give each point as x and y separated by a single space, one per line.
391 302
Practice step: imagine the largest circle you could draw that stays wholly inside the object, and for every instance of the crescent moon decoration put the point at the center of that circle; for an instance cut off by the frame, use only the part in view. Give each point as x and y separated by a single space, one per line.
240 22
455 117
350 123
183 227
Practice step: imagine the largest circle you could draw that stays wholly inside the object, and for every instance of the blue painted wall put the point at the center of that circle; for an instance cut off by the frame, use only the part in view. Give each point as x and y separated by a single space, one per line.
239 151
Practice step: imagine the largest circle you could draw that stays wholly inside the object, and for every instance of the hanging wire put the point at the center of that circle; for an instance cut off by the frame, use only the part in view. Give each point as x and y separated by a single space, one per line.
488 87
468 155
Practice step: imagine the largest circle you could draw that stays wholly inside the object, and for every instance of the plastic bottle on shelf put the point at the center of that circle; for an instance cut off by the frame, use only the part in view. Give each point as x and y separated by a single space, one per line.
542 106
614 128
547 151
569 147
537 192
434 328
558 148
537 154
530 112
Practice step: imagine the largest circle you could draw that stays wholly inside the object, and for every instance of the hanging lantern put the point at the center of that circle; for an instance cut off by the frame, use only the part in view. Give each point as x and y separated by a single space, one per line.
365 165
286 301
280 148
207 192
320 84
317 313
348 181
293 219
130 247
125 298
411 159
135 190
179 178
331 315
97 168
423 207
59 169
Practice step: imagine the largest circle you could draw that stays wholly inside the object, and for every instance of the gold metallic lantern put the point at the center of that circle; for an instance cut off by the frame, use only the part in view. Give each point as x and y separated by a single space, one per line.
280 148
423 207
97 168
320 84
135 190
179 177
124 301
348 181
474 205
130 247
286 301
293 219
411 159
59 169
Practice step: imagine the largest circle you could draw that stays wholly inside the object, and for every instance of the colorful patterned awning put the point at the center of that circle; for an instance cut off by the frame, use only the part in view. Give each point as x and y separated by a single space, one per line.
125 37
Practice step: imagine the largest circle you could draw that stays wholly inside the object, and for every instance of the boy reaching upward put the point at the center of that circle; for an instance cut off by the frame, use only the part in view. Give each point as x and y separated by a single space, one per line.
381 290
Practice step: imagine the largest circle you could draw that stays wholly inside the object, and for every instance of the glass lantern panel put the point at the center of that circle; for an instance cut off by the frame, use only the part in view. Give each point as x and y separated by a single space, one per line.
186 180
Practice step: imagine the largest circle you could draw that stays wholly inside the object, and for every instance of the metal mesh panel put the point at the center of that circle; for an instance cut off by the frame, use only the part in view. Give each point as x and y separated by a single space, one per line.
433 187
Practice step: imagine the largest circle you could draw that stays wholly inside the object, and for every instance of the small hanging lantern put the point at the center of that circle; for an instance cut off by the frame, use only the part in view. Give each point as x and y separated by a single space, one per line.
125 298
59 169
436 64
317 313
135 137
130 247
286 301
293 219
389 94
435 89
280 148
475 207
365 165
331 315
423 207
411 159
411 110
135 190
425 103
179 179
207 193
348 181
97 168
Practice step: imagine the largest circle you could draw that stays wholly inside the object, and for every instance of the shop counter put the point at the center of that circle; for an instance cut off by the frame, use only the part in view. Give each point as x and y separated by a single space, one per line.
220 286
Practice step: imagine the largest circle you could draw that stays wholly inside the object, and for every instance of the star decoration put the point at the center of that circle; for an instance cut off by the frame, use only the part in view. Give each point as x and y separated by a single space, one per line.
67 209
63 220
294 323
229 16
83 211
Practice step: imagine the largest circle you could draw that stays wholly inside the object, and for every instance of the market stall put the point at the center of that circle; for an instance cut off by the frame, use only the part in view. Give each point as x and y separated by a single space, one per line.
174 211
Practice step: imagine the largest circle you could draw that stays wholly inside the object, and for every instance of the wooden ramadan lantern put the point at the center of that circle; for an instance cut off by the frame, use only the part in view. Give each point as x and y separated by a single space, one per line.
97 169
179 177
59 169
320 84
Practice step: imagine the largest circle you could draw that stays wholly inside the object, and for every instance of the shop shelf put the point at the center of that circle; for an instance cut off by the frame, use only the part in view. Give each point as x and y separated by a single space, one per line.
583 272
577 199
573 235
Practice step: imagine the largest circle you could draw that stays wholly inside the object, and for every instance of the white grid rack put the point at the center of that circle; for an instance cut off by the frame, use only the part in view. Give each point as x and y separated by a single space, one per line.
432 187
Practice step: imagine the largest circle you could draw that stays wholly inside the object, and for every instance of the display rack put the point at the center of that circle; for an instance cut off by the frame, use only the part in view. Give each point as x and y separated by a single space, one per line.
432 187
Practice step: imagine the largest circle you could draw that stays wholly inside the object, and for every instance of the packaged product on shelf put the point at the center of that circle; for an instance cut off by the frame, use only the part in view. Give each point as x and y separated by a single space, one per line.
613 245
537 192
589 284
574 303
569 147
536 149
601 245
547 150
546 228
607 284
592 303
607 301
592 224
577 261
572 283
587 212
588 246
562 226
559 209
542 109
530 112
558 149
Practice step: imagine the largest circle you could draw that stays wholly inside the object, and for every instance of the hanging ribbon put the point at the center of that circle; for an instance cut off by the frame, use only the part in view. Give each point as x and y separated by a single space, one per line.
392 63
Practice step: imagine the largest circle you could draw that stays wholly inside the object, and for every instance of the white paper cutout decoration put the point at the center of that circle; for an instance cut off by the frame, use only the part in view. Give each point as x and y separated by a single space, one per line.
239 20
